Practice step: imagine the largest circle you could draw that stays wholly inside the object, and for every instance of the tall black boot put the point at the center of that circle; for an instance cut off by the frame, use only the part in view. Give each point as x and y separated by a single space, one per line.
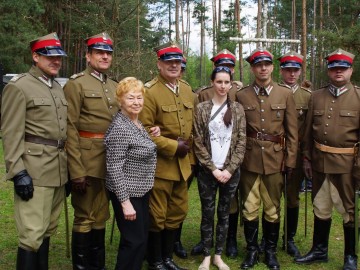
350 257
292 223
26 260
231 243
80 243
271 234
154 257
319 250
251 230
43 255
97 250
167 248
178 247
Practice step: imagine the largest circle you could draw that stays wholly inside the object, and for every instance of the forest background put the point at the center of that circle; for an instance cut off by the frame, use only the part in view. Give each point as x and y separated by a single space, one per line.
137 26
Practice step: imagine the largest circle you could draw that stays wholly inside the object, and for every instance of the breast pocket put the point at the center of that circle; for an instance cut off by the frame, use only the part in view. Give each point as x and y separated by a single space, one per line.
301 110
277 112
318 117
169 113
41 109
349 118
92 99
188 110
250 112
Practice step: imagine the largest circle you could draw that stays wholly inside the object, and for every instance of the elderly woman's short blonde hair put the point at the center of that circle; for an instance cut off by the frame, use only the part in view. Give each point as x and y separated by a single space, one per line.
128 84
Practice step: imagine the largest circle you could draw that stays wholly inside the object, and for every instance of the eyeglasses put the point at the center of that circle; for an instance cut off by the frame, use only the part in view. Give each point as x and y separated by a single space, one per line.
222 68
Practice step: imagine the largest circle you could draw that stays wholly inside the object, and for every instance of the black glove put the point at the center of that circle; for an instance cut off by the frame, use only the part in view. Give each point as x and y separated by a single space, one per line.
183 148
23 185
79 185
307 168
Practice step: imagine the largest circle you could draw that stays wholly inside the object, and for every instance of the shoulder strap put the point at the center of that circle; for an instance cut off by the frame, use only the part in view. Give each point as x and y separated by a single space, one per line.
217 111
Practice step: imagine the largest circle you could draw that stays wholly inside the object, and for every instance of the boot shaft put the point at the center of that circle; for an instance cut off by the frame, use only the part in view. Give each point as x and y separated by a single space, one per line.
251 232
26 260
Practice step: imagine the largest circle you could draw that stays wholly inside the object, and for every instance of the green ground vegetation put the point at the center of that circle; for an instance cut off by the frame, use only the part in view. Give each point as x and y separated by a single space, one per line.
191 235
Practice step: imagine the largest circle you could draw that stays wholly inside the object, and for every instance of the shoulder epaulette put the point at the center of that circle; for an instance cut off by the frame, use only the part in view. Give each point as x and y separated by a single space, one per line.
184 82
77 75
238 84
202 88
243 87
324 86
17 77
149 84
306 89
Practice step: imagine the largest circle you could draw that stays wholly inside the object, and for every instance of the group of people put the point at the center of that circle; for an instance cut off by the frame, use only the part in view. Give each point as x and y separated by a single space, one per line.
139 146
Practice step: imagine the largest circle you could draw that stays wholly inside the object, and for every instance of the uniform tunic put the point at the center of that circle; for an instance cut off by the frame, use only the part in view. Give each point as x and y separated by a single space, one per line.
272 114
92 106
332 121
173 113
32 103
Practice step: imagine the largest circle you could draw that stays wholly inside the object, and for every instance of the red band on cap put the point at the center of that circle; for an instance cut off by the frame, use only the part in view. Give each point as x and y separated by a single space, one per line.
92 41
290 58
339 57
222 56
260 53
45 43
168 50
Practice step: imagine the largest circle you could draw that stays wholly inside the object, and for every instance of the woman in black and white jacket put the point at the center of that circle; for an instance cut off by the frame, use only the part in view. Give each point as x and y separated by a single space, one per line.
130 162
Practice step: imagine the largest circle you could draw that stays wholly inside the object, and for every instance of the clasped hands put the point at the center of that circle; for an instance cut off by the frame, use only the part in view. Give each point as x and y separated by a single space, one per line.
221 176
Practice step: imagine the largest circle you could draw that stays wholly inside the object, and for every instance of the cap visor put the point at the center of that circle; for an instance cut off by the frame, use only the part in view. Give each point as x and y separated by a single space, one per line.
171 57
339 64
290 65
225 61
261 59
102 47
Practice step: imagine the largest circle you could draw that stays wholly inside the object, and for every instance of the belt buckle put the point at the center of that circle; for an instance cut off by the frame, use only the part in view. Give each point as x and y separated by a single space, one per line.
259 135
60 144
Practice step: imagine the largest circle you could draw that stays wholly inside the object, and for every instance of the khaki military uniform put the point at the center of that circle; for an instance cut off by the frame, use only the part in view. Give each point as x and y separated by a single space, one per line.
173 113
92 106
332 121
207 93
34 104
301 98
273 115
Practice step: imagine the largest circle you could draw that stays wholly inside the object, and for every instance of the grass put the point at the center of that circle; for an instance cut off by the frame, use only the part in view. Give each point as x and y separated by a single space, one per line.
191 236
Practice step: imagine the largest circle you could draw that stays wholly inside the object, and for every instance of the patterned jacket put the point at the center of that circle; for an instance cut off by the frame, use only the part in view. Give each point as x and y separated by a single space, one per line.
237 149
130 159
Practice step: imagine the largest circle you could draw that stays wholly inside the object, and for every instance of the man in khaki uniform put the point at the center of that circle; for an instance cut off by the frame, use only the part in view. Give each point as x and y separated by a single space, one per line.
92 105
330 157
169 104
227 59
271 150
290 70
33 134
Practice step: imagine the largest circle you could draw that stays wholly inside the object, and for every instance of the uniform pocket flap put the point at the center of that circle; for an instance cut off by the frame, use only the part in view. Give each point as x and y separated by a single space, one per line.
249 107
278 106
169 108
189 105
318 112
302 106
64 102
92 94
34 149
348 113
42 102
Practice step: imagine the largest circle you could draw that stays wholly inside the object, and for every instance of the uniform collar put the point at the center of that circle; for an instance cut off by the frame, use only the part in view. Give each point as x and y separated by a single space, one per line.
337 91
293 88
266 89
173 87
41 76
102 77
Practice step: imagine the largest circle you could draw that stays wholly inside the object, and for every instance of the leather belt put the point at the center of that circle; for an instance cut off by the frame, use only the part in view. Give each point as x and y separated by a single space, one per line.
91 135
265 137
60 144
334 150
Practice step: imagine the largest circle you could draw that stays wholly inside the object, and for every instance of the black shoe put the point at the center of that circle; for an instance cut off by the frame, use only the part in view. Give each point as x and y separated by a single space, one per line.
314 255
271 260
231 248
292 249
157 266
198 249
179 250
171 265
252 258
350 262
